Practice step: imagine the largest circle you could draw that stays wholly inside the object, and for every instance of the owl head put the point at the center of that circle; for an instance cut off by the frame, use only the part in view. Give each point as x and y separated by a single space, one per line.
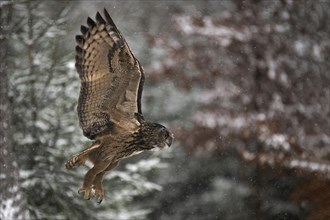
157 135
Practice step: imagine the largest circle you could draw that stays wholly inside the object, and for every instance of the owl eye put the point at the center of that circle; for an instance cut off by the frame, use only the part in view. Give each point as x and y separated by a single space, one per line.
164 134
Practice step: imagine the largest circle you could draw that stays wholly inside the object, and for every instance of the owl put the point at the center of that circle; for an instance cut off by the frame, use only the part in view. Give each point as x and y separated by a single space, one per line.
109 104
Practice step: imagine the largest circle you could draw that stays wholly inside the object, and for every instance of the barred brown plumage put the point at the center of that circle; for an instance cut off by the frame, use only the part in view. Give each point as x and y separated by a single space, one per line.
109 105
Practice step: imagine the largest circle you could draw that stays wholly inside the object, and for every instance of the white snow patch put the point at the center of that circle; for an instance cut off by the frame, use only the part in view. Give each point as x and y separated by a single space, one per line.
42 125
145 165
277 103
261 117
224 34
5 124
124 214
62 141
25 174
222 90
71 65
284 78
300 47
271 68
8 209
27 140
317 52
309 165
281 28
212 120
278 140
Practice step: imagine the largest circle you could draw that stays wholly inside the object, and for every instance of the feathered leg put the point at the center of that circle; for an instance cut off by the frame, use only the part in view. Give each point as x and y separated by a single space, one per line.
90 177
98 186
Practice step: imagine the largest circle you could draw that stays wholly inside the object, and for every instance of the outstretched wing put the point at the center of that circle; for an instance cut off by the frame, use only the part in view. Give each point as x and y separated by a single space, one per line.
111 78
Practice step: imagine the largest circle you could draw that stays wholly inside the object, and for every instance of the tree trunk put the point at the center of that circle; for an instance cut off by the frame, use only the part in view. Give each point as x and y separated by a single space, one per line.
12 203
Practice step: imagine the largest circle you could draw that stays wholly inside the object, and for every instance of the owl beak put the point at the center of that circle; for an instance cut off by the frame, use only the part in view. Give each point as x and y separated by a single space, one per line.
169 140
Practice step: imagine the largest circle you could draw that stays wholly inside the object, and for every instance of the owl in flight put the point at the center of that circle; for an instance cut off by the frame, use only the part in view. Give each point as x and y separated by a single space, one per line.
109 105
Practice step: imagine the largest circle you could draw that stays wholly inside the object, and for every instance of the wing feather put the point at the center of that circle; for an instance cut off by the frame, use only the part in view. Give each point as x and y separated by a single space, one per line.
111 78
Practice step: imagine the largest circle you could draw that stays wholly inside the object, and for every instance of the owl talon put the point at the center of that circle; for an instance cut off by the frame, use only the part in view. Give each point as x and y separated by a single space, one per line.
99 201
99 192
72 163
88 193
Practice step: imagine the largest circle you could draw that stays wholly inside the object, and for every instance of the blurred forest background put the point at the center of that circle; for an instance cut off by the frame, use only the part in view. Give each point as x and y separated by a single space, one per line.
243 84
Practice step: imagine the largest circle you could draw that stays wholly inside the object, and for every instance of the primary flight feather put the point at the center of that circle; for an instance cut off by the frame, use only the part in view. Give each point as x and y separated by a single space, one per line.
109 105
